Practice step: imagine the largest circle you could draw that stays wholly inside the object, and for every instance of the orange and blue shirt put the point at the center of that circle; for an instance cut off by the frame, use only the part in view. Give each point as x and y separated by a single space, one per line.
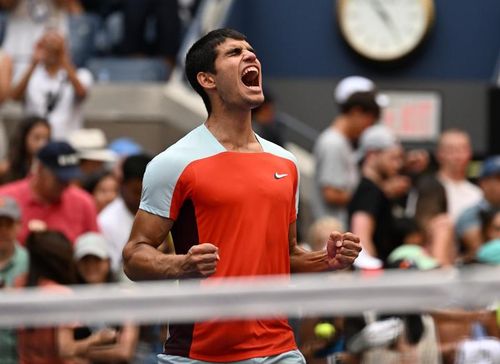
243 203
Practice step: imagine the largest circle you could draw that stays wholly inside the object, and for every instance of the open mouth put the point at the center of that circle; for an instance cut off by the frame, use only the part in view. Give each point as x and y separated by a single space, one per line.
250 77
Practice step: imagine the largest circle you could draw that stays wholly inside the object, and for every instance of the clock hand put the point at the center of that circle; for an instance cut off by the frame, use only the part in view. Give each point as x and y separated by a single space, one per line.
384 15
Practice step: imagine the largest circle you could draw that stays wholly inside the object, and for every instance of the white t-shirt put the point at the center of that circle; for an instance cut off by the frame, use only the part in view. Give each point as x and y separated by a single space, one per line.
115 222
460 195
25 25
67 114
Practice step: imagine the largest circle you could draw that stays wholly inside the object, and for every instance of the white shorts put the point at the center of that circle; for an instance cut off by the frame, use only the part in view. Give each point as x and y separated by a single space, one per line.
290 357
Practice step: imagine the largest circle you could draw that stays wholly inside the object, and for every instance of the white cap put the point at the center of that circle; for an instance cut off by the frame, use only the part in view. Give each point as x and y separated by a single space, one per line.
91 244
91 144
377 137
352 84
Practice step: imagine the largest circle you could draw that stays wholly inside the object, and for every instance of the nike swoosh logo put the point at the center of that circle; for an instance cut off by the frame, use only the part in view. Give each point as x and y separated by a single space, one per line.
280 176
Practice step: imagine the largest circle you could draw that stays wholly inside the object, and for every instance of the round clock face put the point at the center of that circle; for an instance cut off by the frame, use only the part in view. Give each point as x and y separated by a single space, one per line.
385 30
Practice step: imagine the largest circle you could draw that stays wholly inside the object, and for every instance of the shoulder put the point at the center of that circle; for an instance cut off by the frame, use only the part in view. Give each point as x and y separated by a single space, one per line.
276 150
85 76
113 212
76 194
172 161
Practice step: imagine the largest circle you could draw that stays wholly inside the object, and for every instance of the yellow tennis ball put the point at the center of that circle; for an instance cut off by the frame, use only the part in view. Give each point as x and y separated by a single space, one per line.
324 330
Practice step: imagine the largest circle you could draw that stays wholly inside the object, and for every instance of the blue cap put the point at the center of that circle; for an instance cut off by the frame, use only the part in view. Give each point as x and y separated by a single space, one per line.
125 147
62 159
491 167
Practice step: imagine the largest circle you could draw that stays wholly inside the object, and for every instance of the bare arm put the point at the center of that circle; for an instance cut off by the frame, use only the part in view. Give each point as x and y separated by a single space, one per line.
363 225
5 76
143 260
18 91
342 250
71 348
336 196
123 350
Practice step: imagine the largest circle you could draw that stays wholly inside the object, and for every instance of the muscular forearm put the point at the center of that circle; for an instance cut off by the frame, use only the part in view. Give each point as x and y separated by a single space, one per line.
143 262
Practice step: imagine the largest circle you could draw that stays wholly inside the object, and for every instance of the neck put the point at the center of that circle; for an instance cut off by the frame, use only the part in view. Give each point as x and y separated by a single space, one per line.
371 173
453 175
36 190
341 124
233 129
52 69
6 254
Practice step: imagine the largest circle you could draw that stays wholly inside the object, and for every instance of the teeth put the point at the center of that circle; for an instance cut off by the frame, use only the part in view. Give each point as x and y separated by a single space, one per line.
249 69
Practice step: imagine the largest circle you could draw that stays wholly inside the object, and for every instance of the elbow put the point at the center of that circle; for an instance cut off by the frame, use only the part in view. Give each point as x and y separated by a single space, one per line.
127 256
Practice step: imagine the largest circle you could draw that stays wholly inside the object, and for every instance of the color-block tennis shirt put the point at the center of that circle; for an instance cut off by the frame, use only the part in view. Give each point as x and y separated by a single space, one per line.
241 202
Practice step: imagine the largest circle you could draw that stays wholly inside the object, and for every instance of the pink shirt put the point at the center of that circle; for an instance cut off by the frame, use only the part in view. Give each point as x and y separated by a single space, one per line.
74 215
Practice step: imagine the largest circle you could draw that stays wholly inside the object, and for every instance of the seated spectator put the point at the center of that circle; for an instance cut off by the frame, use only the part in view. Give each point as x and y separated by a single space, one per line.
412 252
31 135
93 266
27 21
489 251
47 198
52 87
116 220
468 227
13 263
51 268
167 28
104 188
92 148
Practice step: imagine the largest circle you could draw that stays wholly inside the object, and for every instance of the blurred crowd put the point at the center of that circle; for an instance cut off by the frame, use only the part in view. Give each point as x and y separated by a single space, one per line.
68 195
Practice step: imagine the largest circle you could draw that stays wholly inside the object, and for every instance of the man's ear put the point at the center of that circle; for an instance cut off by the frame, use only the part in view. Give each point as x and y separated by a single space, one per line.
206 80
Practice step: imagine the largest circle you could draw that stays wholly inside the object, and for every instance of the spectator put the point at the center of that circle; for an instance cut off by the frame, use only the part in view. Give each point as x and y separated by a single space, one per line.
51 268
468 227
117 218
266 122
166 42
52 87
92 148
489 251
93 266
31 135
47 199
27 21
453 154
104 188
336 173
13 263
370 209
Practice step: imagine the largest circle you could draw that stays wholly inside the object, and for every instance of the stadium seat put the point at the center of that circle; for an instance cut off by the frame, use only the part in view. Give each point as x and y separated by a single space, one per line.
128 69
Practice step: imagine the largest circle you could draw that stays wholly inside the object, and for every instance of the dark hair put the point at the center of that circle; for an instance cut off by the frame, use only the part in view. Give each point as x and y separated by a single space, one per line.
51 257
18 155
201 58
134 166
366 101
89 183
403 227
486 217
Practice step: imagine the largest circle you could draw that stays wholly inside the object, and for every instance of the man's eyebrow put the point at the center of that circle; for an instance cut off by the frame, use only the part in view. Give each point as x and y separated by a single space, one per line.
238 49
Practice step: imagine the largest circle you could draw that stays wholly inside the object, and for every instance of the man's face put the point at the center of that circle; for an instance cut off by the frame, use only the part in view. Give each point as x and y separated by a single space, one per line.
390 161
8 231
238 77
49 186
454 152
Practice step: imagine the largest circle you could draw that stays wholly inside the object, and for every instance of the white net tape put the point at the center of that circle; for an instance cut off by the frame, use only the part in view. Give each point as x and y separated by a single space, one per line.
302 295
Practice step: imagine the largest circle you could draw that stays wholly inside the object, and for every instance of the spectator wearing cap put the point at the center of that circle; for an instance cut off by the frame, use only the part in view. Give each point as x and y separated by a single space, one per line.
13 263
48 200
93 266
336 172
468 226
370 209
